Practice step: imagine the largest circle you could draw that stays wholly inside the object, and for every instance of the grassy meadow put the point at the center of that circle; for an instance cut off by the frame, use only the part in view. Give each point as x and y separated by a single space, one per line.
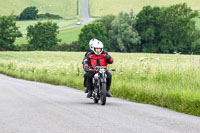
198 23
64 8
70 35
104 7
171 81
67 36
61 23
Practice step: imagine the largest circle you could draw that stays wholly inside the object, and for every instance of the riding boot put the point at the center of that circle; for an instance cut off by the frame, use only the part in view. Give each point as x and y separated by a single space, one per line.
108 93
89 92
86 90
108 84
89 83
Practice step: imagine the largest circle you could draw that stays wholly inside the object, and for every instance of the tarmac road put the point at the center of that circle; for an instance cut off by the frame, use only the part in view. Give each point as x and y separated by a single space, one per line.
85 15
32 107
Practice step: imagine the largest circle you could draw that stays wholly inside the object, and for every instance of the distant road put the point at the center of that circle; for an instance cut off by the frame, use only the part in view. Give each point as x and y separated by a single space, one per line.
85 15
32 107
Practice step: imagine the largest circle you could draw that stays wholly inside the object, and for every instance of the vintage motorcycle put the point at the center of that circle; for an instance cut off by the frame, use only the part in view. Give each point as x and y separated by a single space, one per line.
99 84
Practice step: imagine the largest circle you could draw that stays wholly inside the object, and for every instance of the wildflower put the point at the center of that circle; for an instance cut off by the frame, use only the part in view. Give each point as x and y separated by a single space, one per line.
141 58
145 68
145 63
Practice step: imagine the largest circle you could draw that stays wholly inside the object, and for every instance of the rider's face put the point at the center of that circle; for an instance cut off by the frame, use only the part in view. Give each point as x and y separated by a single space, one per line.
98 49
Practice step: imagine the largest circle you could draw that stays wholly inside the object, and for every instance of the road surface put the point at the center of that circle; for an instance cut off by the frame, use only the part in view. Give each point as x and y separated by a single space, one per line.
85 15
31 107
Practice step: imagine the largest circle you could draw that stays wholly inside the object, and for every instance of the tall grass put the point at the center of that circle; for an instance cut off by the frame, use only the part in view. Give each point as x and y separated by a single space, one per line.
171 81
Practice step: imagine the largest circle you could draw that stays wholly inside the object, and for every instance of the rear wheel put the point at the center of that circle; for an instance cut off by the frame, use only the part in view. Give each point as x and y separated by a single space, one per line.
103 94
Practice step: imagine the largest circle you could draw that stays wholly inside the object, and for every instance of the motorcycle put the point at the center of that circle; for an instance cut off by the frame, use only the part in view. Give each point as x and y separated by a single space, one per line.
99 84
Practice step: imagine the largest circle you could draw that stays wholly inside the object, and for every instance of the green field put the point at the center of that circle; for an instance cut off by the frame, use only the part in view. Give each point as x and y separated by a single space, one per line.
104 7
67 36
64 8
171 81
198 22
61 23
70 35
21 40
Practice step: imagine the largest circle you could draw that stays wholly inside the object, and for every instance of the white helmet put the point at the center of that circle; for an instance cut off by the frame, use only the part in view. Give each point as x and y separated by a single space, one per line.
97 44
92 41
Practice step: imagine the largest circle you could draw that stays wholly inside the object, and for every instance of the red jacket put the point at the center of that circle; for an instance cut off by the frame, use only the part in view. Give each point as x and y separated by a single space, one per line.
91 59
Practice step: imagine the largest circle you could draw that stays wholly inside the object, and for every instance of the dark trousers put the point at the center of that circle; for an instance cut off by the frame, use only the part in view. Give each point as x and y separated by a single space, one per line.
84 82
88 80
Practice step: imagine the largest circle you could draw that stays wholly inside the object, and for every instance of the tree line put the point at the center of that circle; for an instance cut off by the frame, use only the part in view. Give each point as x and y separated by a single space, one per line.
31 13
153 29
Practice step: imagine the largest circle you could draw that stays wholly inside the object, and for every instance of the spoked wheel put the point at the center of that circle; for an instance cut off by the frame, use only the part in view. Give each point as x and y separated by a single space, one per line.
103 94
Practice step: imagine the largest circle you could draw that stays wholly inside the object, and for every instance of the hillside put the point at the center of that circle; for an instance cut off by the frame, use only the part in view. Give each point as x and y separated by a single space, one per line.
103 7
64 8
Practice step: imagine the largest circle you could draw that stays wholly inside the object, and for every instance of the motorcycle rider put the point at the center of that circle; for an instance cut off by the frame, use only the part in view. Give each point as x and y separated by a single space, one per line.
92 41
97 57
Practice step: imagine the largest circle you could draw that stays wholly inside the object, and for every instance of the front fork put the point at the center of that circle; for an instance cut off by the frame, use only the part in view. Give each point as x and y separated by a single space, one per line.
103 80
97 85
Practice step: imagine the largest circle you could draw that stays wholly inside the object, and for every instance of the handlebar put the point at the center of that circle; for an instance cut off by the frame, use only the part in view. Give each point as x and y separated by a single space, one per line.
97 68
114 70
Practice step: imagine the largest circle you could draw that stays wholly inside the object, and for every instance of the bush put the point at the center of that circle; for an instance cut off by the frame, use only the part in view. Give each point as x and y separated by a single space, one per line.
22 47
48 16
74 46
196 47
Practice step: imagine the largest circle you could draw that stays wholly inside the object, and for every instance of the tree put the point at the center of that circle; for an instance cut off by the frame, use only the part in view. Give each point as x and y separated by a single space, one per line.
43 36
178 31
196 44
123 36
169 29
95 30
148 25
8 32
107 20
29 13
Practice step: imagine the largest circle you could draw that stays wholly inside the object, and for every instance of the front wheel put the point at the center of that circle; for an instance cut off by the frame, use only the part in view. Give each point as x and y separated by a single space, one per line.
103 94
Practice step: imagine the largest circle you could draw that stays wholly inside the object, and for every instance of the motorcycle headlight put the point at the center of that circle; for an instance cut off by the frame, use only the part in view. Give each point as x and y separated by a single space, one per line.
96 76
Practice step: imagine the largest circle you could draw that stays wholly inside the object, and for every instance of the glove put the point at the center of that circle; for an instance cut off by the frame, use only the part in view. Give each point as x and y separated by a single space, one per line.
86 68
108 57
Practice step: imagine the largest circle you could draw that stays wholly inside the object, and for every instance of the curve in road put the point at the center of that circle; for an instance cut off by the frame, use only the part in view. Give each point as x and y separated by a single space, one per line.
85 15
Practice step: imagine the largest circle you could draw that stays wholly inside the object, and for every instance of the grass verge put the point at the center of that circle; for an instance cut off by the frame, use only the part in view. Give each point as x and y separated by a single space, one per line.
170 81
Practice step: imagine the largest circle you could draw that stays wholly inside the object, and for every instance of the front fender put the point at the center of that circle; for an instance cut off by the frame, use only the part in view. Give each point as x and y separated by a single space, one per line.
103 80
